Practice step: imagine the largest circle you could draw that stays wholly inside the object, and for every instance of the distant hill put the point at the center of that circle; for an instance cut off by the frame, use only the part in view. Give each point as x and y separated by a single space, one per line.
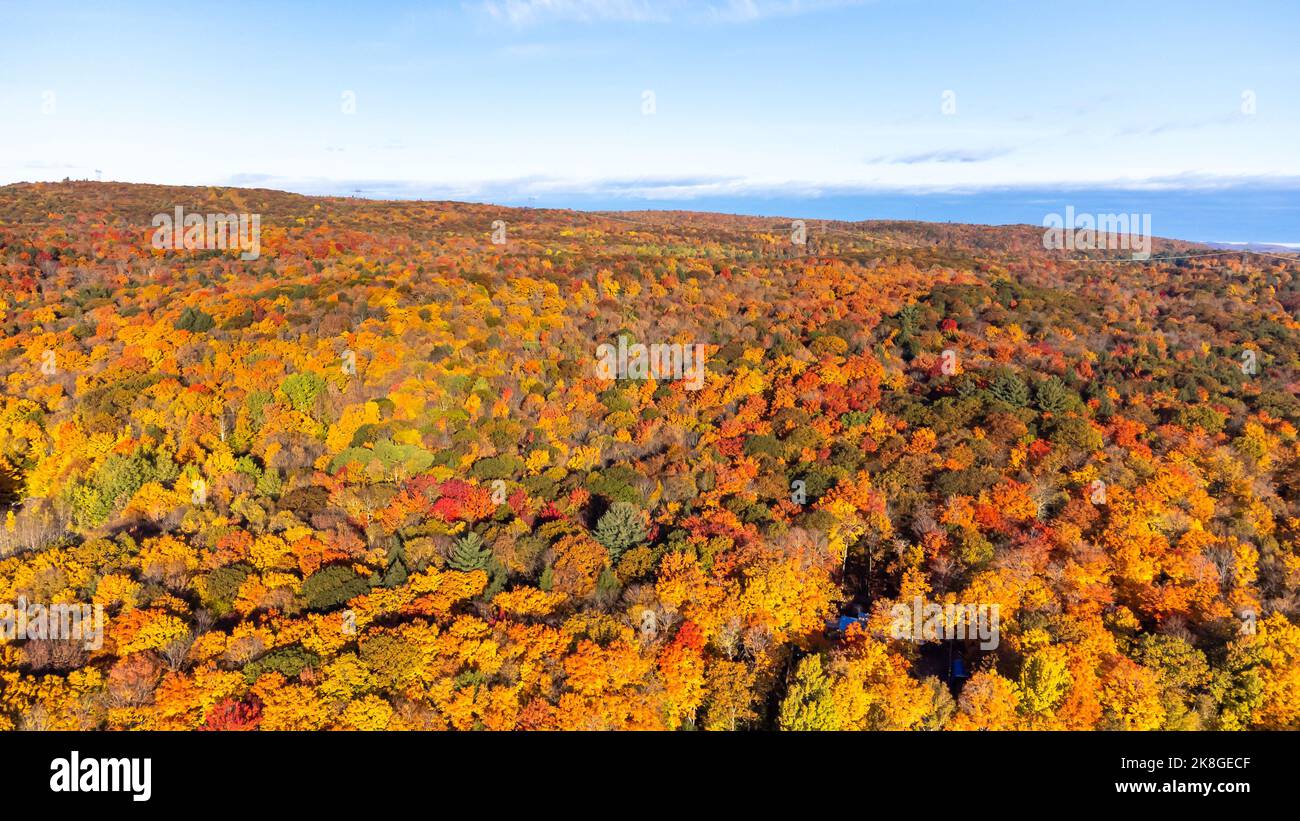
136 204
1255 246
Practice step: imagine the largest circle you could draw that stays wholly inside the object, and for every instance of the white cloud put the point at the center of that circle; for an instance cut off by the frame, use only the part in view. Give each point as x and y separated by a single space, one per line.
682 189
743 11
529 12
526 12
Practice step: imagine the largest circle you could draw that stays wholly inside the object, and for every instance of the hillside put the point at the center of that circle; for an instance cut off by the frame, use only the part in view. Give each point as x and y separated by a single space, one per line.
375 477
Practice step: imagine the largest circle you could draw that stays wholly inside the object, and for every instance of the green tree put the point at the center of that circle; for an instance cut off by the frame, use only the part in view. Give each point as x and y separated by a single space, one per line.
1010 389
333 585
194 320
396 573
1044 681
115 482
218 589
620 528
301 389
808 704
607 585
287 661
469 554
1053 396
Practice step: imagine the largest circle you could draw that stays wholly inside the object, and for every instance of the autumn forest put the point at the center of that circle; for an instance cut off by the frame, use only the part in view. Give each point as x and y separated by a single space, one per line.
376 477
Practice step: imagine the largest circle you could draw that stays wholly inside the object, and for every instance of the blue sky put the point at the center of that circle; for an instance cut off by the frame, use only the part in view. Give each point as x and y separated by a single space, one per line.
963 110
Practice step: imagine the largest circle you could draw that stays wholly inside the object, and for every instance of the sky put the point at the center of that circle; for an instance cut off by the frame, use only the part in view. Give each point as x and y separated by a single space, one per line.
943 109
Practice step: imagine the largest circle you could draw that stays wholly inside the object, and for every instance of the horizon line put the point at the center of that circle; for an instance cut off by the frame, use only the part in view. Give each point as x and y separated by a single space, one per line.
601 203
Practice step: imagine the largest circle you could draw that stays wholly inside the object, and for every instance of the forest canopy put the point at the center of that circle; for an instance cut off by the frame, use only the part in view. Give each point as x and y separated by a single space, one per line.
374 479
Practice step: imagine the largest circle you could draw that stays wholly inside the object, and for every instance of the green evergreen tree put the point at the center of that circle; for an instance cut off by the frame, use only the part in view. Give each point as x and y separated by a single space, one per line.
620 528
607 585
498 575
1054 396
1011 389
1105 407
330 586
396 572
194 320
469 554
